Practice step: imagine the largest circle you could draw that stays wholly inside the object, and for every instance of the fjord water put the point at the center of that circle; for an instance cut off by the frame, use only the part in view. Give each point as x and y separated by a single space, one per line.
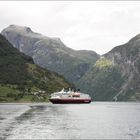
98 120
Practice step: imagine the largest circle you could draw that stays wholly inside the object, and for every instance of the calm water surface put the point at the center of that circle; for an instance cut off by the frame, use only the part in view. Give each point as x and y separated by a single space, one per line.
98 120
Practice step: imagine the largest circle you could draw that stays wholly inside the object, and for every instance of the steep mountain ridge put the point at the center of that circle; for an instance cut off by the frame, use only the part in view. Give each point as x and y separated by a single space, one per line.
116 75
51 53
127 60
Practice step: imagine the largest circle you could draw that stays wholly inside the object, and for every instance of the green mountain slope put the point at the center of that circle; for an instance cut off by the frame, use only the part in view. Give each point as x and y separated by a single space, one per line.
51 53
103 81
116 75
19 76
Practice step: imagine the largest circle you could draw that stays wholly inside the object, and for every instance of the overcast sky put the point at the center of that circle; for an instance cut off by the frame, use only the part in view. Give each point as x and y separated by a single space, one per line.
90 25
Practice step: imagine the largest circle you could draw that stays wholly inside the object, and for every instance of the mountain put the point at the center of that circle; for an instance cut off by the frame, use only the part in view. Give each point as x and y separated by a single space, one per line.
51 53
113 76
116 75
19 76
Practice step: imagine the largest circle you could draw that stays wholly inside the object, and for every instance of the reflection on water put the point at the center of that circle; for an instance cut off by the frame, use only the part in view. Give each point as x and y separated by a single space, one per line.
97 120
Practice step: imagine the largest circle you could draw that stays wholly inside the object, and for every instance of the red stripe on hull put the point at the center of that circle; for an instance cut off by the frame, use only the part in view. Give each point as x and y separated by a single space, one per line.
70 101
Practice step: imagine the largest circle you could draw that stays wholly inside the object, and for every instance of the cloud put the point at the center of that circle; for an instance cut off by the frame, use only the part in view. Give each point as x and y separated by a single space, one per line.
91 25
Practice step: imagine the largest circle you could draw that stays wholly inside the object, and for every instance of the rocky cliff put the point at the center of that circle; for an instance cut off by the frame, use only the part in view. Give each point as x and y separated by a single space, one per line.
116 75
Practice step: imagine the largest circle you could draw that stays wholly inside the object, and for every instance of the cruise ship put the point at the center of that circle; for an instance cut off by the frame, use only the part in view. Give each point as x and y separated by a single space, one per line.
69 97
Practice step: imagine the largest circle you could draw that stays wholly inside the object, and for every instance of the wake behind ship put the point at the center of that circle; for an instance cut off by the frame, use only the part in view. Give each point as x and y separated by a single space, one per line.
69 97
